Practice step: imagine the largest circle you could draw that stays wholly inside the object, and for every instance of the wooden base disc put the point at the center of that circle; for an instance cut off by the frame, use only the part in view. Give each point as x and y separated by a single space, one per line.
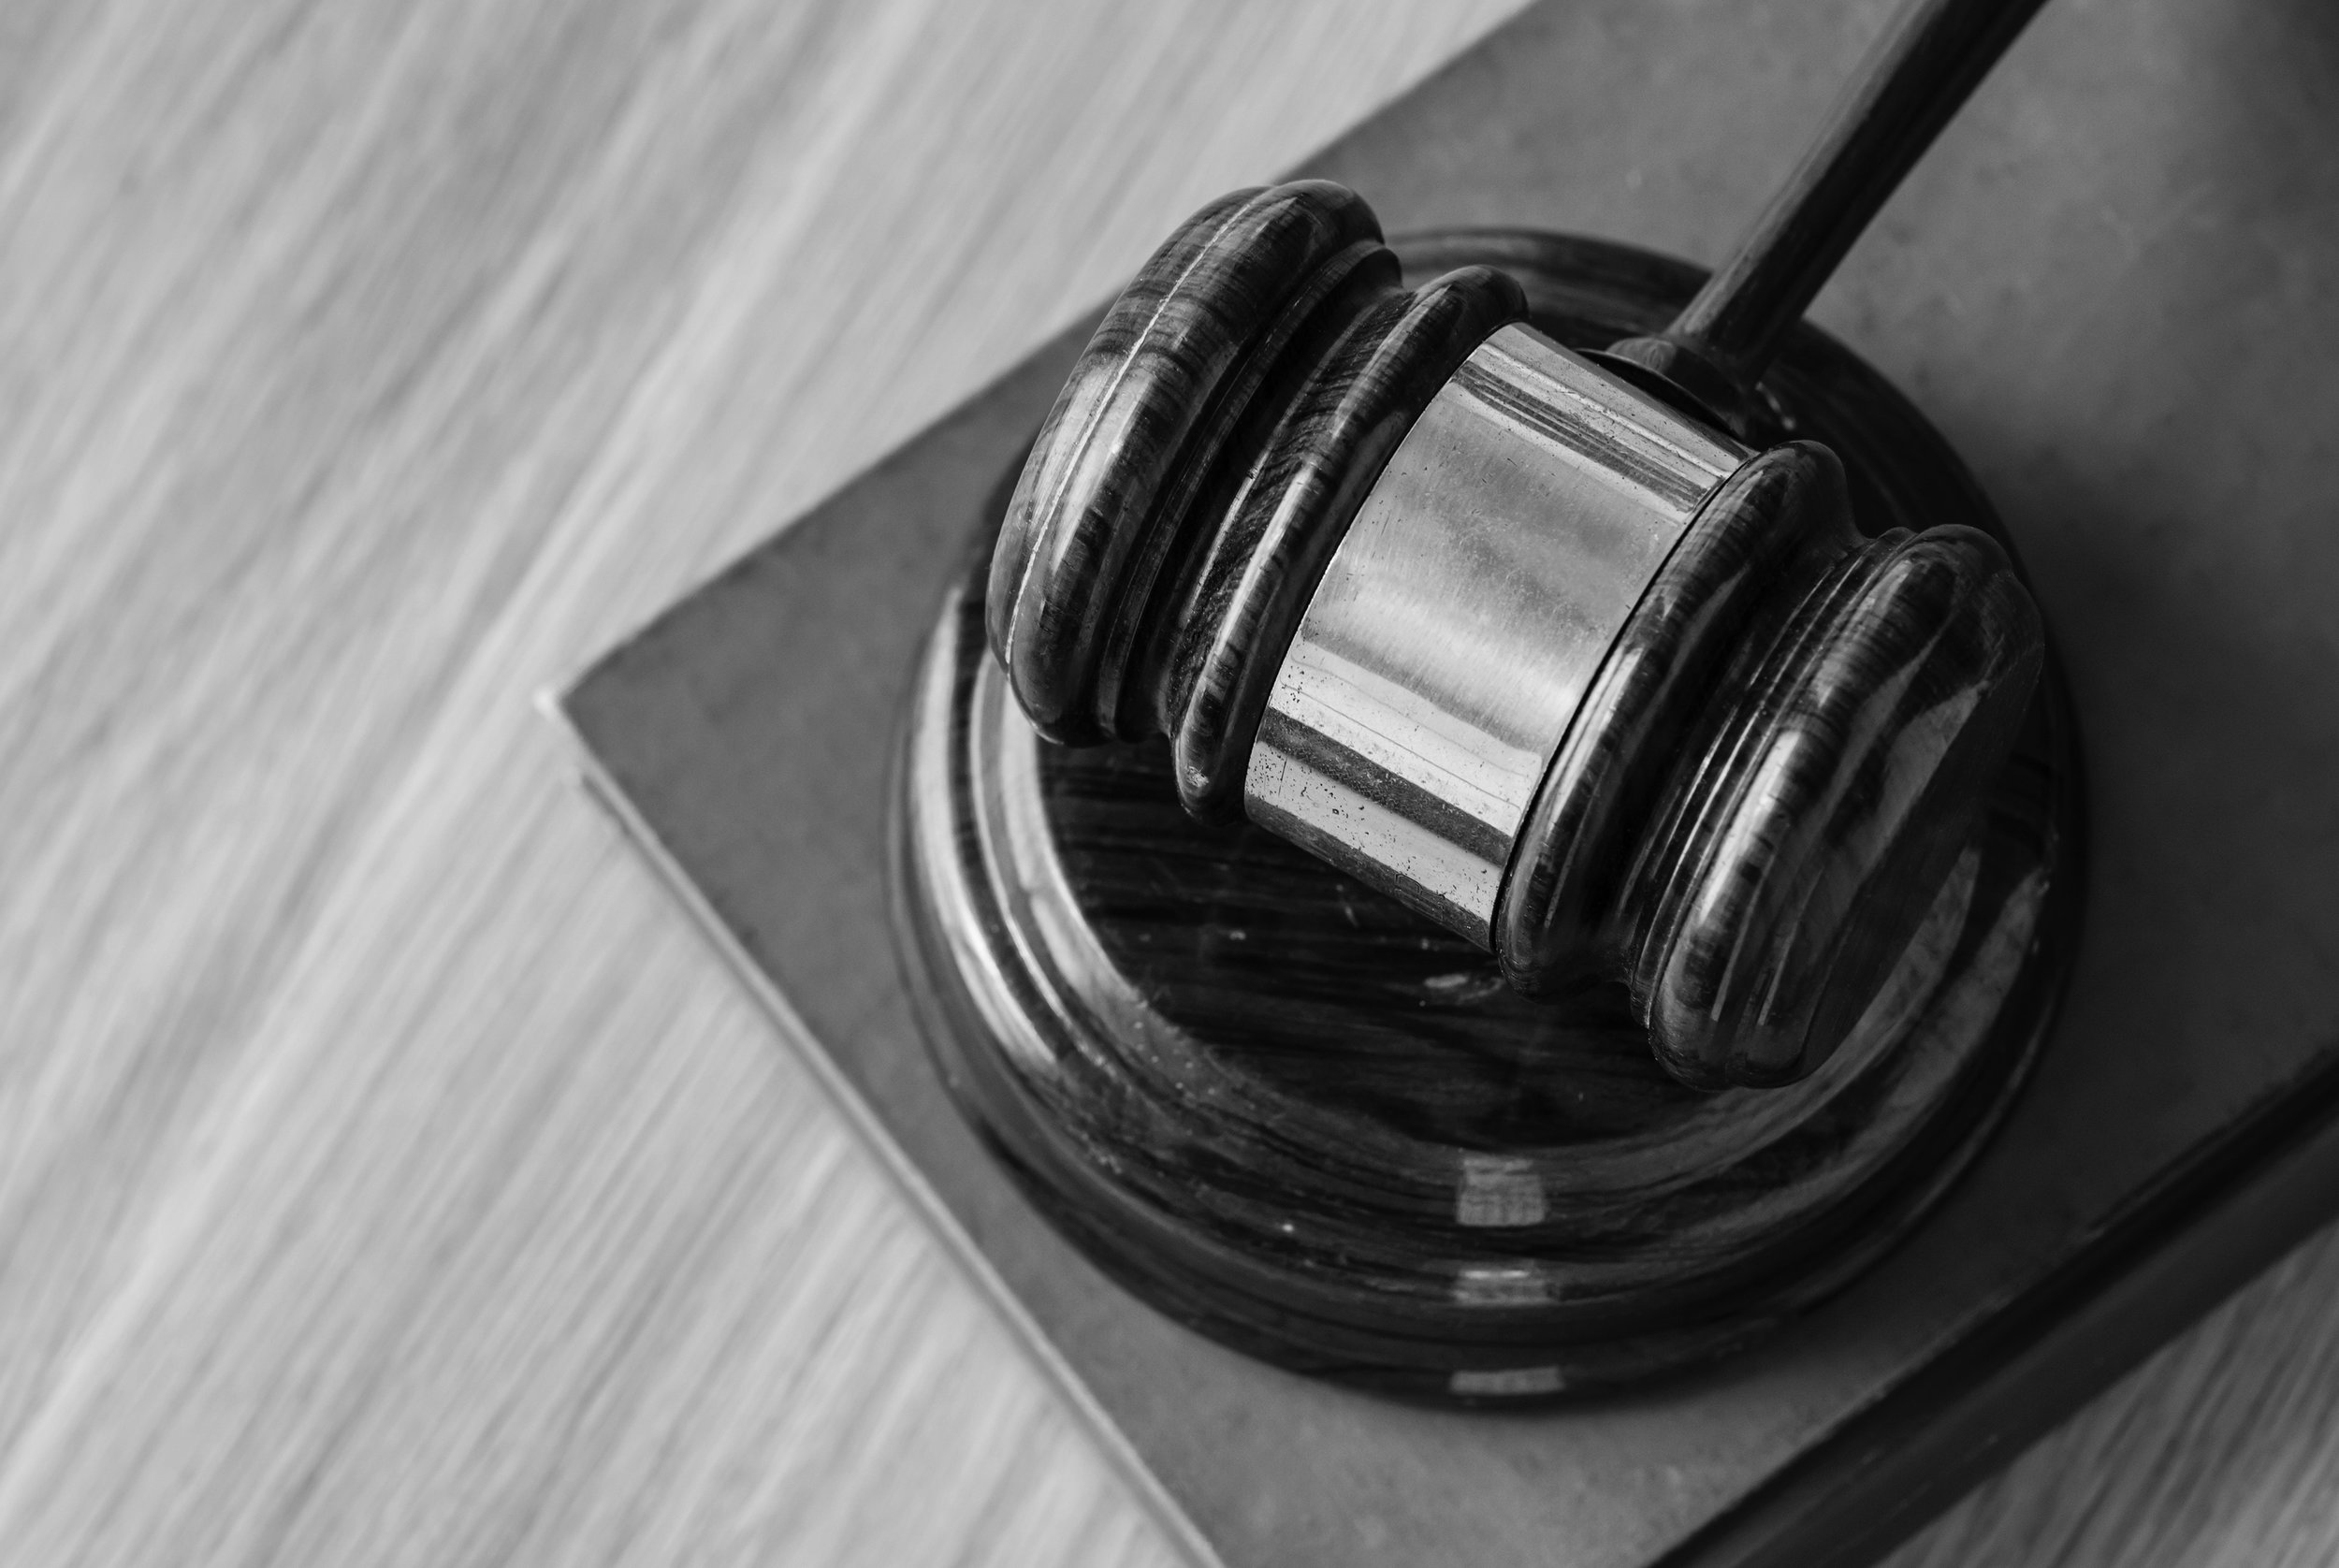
1294 1115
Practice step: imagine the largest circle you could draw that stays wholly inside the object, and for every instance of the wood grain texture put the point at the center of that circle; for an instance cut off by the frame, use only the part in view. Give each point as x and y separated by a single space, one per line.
390 1175
1175 380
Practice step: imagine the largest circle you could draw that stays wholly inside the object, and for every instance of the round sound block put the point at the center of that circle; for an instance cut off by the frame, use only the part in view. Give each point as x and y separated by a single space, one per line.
1302 1119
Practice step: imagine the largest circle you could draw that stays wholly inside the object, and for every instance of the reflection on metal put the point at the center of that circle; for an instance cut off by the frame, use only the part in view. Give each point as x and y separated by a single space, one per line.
1462 617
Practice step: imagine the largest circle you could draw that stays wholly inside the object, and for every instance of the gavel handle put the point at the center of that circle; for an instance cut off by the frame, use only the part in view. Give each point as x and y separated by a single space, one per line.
1916 78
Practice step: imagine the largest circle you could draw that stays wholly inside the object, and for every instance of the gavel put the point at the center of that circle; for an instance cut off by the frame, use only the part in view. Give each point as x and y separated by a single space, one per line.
1580 654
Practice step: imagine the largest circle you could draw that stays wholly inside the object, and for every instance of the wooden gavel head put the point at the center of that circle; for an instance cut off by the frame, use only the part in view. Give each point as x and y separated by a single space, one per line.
1528 641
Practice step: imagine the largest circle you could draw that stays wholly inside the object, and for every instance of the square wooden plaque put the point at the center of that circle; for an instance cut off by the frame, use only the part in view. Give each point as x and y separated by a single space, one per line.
2148 401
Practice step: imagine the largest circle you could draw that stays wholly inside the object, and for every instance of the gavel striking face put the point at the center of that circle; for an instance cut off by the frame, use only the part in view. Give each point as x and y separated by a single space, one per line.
1527 639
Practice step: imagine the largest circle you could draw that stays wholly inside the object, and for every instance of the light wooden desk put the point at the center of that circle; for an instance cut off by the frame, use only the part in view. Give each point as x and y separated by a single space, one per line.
388 1172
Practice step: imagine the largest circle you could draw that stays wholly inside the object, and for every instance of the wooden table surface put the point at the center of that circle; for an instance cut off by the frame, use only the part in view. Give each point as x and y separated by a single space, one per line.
388 1174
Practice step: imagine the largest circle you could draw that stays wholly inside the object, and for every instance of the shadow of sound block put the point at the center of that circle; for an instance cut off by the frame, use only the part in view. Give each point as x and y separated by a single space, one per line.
2150 433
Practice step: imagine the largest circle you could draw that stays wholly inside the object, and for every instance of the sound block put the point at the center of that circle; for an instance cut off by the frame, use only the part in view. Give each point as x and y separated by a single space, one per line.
1298 1116
2154 436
